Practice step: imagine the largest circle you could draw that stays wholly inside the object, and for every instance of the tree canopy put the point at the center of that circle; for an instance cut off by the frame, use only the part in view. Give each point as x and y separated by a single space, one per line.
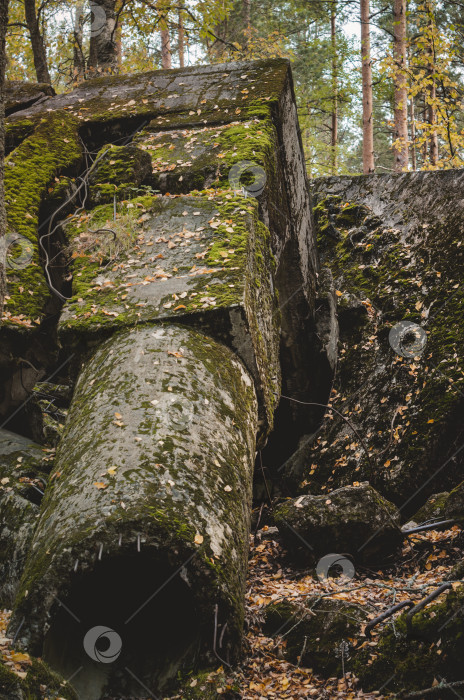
379 85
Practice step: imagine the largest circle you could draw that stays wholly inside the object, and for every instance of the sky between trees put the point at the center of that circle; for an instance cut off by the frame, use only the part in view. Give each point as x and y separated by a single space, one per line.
379 84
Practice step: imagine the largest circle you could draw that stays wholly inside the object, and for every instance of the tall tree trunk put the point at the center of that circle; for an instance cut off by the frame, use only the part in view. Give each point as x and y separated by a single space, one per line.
181 37
37 42
432 110
78 53
401 152
3 26
103 52
413 135
118 35
246 20
166 56
118 39
334 129
368 122
432 118
166 60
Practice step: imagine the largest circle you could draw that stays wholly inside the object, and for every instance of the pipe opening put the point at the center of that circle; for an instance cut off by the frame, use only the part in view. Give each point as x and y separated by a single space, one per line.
108 644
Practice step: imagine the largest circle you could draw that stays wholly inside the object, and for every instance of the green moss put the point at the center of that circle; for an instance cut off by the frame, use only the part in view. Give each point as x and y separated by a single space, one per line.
118 171
412 662
17 131
385 275
188 160
52 148
40 683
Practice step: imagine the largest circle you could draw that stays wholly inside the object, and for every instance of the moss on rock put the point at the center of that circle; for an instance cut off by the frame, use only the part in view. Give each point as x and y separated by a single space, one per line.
398 662
354 519
118 172
39 683
393 244
317 632
52 148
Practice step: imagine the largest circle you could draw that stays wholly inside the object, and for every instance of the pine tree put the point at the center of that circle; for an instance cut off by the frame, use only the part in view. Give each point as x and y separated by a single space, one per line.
367 97
3 27
400 145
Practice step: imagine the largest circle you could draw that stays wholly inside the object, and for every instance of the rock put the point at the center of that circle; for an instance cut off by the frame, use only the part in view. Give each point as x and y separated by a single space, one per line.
259 152
454 503
400 264
353 520
457 572
53 148
399 663
433 509
119 171
39 682
22 479
152 483
21 95
201 261
143 493
317 631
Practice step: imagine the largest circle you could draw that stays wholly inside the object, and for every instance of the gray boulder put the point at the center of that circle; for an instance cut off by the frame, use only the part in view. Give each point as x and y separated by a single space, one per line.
353 520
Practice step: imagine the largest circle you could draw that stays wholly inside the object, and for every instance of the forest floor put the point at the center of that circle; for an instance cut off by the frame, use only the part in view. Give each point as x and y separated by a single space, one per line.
426 561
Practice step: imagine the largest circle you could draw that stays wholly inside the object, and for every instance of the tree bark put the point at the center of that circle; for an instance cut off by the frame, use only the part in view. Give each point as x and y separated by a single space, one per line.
413 135
3 26
103 50
334 129
432 119
368 123
181 37
166 56
78 54
401 152
37 42
431 102
246 20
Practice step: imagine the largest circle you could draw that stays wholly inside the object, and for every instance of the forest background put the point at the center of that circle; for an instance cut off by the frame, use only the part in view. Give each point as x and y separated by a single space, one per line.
379 85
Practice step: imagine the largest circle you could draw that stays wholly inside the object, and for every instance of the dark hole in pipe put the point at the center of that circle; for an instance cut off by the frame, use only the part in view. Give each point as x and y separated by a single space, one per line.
154 644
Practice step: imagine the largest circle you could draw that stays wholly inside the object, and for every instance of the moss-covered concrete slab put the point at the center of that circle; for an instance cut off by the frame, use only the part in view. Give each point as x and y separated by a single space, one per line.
21 95
200 158
152 486
197 94
203 260
249 111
